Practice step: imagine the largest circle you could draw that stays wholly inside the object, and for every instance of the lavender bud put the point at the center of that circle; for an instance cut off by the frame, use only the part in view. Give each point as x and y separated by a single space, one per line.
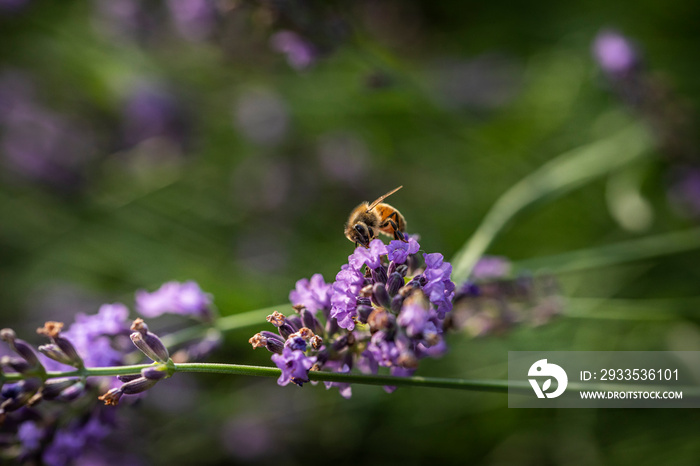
394 283
276 319
286 330
154 372
19 365
69 350
397 303
332 326
19 394
379 274
128 377
363 313
54 387
52 351
316 342
295 322
391 269
72 392
112 397
310 321
137 386
364 301
20 347
402 270
70 355
273 342
151 346
340 344
322 358
380 296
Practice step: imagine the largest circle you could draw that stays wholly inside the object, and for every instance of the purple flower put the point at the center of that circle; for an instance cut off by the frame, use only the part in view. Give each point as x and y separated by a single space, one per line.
398 250
294 365
370 256
489 267
38 143
439 288
92 335
685 191
300 53
194 19
69 442
399 310
615 54
338 366
173 297
398 372
30 435
346 288
150 112
314 294
414 318
383 349
12 5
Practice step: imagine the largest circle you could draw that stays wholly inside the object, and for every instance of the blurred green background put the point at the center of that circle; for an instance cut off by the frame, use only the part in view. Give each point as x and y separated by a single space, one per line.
150 141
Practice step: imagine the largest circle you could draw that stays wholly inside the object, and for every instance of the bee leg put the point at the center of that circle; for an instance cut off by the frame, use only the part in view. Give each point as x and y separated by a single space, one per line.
395 229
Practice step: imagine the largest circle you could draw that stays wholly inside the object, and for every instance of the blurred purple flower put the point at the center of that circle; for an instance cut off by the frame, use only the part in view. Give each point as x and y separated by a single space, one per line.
30 436
124 19
485 82
261 116
314 294
69 442
92 335
177 298
300 53
345 389
615 53
489 267
685 190
194 19
344 157
12 5
36 142
151 112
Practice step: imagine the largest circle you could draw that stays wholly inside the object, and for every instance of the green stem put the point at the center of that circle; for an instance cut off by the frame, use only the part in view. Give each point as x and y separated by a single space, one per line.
261 371
560 175
601 256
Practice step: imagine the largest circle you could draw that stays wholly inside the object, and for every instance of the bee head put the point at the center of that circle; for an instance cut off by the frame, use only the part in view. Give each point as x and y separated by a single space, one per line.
359 233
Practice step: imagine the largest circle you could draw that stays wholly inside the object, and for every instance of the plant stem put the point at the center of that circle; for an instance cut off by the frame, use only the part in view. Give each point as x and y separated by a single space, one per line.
262 371
560 175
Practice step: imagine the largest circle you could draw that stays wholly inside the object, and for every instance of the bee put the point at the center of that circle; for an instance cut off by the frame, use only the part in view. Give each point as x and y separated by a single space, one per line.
368 220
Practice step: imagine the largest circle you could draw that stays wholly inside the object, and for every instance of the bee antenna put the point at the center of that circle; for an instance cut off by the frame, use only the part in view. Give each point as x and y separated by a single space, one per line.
381 198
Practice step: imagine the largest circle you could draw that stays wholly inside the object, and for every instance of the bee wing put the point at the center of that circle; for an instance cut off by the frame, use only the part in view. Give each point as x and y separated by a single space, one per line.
381 198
